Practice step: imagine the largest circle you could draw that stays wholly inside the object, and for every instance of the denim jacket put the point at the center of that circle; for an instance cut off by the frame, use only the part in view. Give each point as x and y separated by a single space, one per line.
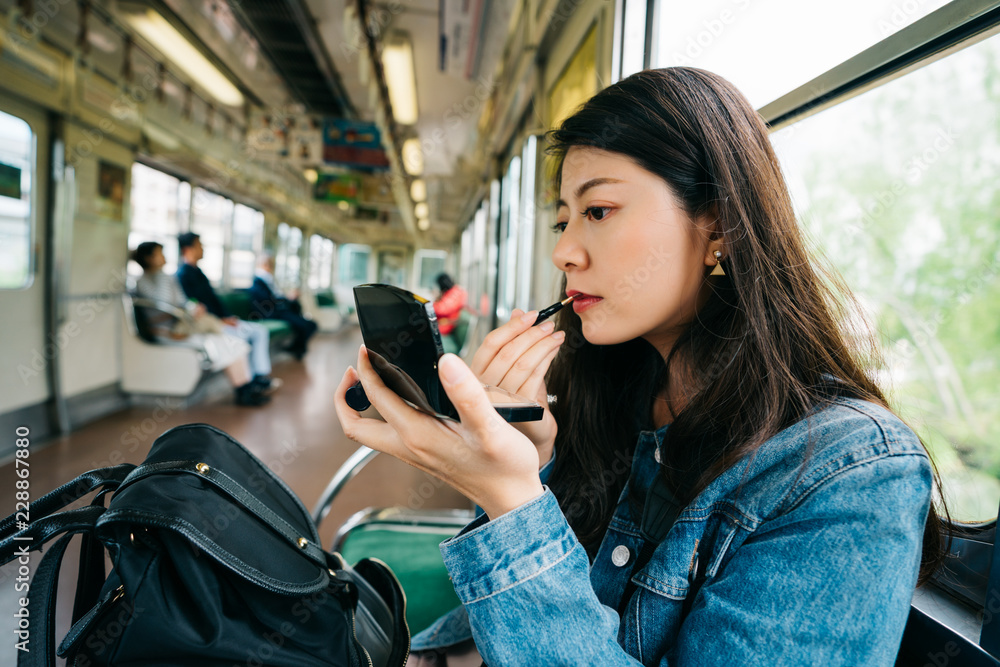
807 550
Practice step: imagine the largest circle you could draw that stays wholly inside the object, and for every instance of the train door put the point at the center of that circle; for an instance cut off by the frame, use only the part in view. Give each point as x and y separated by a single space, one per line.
24 163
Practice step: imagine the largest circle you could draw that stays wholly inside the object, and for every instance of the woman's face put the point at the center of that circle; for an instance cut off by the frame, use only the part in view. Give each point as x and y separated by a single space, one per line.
627 242
157 261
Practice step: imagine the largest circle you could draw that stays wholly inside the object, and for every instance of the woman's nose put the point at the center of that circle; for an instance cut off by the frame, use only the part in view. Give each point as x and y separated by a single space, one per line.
569 252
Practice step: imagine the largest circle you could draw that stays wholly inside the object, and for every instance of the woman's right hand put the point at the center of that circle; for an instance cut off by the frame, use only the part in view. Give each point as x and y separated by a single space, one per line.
516 357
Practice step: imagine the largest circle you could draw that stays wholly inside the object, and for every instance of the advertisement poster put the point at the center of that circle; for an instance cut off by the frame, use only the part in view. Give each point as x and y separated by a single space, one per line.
110 189
353 144
337 188
305 142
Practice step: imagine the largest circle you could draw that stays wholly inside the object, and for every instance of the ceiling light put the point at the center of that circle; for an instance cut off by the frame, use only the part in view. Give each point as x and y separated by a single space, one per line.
158 32
423 224
397 61
418 190
311 175
413 157
421 210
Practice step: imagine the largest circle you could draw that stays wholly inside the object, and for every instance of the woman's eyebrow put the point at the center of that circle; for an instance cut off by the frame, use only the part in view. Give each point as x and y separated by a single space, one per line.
594 182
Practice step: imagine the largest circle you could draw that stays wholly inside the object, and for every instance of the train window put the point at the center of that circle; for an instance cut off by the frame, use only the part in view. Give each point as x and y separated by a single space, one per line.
212 220
288 262
429 264
473 273
160 205
634 37
526 223
768 49
897 187
248 240
353 264
320 262
510 193
16 229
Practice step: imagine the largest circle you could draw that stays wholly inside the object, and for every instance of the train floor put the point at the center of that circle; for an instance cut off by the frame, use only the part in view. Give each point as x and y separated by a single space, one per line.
297 435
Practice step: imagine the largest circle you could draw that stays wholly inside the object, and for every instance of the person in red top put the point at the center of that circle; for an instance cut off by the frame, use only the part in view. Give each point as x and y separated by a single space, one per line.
448 306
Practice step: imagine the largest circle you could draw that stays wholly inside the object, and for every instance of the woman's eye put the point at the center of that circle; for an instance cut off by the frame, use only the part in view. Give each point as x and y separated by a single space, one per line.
559 227
596 212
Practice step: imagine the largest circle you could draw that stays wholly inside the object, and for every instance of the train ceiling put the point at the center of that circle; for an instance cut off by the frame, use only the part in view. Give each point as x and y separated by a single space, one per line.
317 49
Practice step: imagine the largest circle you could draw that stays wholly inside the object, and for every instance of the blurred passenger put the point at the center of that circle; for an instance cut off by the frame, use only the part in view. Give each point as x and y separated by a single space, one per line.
448 305
269 303
196 286
206 329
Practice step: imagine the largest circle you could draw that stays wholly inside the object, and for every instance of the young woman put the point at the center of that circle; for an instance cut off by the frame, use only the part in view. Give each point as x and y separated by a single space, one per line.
723 482
230 353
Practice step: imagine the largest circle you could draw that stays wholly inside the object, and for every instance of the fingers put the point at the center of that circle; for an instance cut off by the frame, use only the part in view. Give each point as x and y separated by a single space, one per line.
527 363
534 385
468 396
372 433
506 346
496 339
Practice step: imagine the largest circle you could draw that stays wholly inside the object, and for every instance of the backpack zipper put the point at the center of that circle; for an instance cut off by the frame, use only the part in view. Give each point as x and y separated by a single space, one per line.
357 642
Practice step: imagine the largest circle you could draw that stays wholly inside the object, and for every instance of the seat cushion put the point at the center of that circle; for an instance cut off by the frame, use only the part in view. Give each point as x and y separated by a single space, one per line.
415 559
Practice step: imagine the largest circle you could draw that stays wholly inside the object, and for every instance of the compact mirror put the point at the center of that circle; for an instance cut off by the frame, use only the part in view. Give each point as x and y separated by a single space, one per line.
400 331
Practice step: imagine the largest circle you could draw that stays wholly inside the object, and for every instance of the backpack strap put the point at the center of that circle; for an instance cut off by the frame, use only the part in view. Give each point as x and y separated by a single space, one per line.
100 479
44 583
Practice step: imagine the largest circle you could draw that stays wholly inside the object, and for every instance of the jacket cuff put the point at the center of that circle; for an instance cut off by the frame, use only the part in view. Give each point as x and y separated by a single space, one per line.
488 557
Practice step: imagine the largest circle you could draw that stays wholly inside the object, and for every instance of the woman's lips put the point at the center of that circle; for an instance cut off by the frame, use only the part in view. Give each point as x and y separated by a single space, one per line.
585 301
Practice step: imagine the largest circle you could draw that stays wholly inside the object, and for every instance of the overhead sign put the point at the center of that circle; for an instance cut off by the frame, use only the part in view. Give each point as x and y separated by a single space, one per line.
353 144
337 188
311 141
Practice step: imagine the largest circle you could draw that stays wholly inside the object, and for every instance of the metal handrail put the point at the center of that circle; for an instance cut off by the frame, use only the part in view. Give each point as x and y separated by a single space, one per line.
351 467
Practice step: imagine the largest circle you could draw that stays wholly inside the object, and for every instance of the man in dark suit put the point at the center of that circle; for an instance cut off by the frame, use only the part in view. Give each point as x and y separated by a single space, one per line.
269 303
196 286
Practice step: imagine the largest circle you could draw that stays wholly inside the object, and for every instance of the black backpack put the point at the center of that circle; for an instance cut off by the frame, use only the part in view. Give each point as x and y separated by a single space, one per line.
215 562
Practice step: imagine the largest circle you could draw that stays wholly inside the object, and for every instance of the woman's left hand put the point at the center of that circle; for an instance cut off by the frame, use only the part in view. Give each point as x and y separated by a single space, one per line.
483 457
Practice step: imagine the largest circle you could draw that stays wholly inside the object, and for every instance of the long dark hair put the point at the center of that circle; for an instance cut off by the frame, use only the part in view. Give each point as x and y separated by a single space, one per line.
763 349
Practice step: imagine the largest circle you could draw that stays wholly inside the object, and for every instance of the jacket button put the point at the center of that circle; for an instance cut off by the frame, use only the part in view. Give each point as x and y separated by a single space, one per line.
656 455
620 555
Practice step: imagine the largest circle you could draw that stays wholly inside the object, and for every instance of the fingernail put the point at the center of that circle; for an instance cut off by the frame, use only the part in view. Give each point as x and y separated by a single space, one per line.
559 335
528 318
547 326
451 368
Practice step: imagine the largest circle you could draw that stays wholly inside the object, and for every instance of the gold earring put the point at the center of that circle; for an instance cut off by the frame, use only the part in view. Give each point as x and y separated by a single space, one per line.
717 271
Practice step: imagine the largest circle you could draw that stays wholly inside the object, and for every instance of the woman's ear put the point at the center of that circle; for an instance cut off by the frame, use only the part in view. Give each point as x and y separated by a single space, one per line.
712 233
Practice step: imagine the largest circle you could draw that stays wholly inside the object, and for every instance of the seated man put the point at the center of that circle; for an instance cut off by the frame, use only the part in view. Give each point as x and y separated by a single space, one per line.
269 303
196 286
207 330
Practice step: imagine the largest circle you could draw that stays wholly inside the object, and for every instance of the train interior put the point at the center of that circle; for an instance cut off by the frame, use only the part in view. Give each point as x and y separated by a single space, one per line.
354 141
